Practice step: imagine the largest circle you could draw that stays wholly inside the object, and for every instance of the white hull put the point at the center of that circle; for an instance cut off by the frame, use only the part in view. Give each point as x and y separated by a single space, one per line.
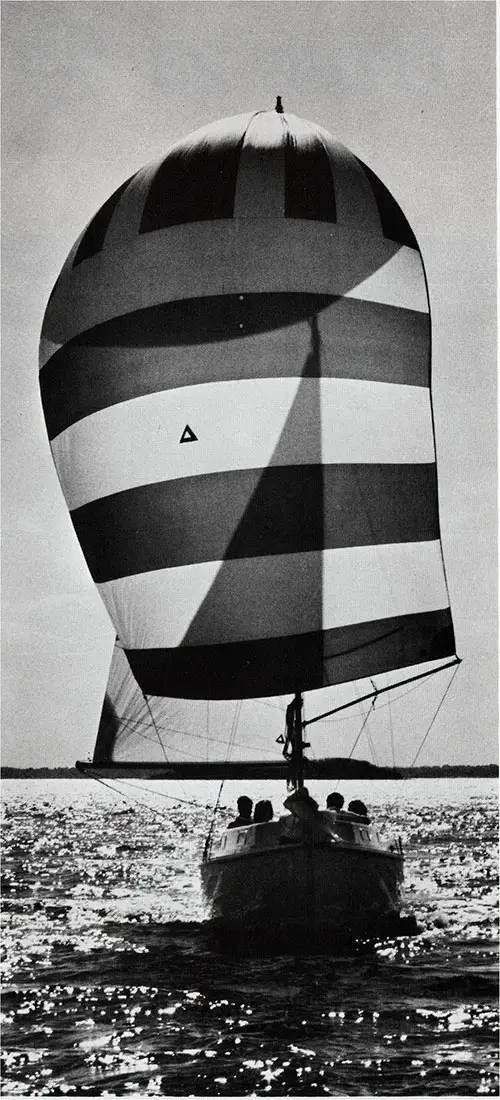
259 877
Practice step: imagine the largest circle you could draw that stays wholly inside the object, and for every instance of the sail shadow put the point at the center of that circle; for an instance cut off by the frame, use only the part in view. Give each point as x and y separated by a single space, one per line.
277 590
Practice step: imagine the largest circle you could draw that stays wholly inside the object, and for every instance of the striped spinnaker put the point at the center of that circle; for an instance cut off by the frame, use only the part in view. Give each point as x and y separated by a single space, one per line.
235 373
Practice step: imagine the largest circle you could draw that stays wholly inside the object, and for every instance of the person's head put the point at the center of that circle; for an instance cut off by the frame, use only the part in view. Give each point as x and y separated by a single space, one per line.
263 812
245 806
357 807
334 801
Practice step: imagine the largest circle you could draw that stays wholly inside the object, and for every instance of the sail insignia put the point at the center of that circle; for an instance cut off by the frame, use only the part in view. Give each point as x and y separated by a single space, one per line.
188 435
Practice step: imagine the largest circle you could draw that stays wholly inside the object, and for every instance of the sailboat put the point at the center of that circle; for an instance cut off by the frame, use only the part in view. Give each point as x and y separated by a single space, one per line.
235 376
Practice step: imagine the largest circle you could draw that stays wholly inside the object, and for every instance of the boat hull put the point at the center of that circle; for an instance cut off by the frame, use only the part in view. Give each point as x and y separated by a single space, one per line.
350 890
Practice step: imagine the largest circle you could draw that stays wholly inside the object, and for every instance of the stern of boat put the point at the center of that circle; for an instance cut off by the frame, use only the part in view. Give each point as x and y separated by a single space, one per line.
338 875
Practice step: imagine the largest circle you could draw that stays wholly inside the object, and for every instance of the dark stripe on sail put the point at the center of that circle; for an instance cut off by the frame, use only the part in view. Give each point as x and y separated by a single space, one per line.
394 223
276 666
252 513
309 190
93 239
206 320
192 185
104 367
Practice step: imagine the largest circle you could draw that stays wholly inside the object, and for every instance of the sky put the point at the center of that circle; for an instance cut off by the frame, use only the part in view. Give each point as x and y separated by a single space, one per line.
91 92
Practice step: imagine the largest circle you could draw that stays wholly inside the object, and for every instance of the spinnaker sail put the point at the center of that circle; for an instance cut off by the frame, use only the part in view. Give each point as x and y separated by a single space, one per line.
235 374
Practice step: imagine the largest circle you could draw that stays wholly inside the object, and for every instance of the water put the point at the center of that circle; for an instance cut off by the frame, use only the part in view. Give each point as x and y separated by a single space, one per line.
113 985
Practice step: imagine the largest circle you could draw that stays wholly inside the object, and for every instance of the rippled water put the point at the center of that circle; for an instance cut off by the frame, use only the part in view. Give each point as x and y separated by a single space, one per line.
113 984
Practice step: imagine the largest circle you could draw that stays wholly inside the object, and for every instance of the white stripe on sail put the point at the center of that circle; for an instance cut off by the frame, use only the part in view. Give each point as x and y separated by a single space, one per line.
400 282
248 424
275 596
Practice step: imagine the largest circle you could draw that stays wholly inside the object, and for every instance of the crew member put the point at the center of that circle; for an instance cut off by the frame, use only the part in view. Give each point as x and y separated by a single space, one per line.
358 807
263 812
334 801
244 813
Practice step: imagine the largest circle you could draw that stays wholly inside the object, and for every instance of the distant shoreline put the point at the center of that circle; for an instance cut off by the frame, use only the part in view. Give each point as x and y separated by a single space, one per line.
447 771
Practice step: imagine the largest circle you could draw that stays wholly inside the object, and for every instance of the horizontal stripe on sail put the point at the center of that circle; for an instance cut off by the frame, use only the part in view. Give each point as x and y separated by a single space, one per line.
250 598
226 257
243 513
245 425
151 350
276 666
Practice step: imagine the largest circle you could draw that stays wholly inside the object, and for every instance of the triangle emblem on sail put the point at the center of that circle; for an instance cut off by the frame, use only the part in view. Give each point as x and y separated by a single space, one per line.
188 435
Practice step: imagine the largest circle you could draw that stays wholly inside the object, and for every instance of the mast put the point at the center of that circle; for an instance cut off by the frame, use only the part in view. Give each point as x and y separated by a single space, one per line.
294 746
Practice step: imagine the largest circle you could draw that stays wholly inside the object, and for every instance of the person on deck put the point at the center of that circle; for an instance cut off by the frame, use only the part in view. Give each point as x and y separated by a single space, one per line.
301 804
359 808
263 812
334 801
244 813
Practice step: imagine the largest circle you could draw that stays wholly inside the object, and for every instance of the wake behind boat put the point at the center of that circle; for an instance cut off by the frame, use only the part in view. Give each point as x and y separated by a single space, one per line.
235 373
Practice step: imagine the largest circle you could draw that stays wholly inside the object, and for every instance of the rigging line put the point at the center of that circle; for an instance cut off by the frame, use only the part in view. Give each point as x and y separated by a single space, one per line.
157 793
232 737
424 739
367 715
145 734
368 730
135 725
234 727
391 725
372 746
201 737
132 723
362 645
236 718
274 706
155 727
158 813
208 842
